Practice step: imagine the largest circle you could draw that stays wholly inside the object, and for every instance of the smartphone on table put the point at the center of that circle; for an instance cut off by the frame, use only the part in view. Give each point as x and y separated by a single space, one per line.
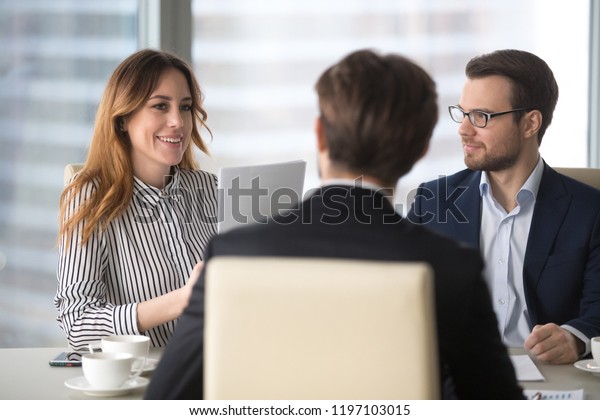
67 359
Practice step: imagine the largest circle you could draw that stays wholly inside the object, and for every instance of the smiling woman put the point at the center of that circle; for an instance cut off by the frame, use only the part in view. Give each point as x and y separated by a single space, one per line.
136 219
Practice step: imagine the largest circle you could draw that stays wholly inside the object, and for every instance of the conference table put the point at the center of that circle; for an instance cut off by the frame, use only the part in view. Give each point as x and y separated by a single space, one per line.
25 374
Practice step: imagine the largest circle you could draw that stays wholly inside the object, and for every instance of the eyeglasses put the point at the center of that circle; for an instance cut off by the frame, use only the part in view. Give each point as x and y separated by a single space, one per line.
478 118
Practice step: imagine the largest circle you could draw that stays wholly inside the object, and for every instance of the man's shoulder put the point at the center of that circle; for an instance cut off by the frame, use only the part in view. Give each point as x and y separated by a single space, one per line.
580 191
247 239
462 177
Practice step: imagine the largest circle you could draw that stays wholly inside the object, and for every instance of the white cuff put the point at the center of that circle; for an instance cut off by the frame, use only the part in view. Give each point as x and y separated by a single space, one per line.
582 337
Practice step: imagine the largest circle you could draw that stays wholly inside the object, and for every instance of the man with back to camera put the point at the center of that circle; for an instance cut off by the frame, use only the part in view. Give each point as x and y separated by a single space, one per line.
377 115
538 231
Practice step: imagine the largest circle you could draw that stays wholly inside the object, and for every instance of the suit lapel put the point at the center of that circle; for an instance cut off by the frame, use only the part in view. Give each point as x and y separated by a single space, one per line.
551 206
465 201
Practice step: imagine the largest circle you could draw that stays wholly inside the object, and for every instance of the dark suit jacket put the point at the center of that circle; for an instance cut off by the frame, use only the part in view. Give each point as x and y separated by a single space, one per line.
561 270
356 223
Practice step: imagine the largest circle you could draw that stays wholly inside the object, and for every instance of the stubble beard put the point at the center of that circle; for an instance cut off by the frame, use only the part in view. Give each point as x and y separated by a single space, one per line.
491 163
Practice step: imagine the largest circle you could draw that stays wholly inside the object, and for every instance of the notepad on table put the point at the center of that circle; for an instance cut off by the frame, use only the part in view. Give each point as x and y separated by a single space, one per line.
525 369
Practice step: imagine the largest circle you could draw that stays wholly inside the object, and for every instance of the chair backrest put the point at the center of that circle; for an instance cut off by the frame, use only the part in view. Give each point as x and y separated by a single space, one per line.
315 328
70 170
590 176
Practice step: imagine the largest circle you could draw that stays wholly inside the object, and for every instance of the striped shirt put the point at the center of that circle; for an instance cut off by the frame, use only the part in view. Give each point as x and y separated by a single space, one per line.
147 251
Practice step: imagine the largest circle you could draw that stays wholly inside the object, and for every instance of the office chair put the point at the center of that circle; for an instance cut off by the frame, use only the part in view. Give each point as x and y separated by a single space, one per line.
315 328
70 170
590 176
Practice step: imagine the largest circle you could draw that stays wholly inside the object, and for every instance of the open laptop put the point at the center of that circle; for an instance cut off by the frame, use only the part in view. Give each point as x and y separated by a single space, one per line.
251 194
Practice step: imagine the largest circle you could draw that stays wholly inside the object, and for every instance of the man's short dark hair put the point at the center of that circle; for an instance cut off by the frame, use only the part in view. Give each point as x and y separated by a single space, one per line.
378 113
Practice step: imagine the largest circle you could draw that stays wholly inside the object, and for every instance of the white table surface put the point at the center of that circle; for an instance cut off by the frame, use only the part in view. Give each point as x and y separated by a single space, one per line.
26 375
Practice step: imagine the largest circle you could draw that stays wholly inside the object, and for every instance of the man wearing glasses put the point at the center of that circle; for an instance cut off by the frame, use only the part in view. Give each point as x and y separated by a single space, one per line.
538 231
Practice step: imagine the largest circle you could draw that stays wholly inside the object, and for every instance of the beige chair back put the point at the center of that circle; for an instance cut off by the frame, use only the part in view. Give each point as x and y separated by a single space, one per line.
590 176
313 328
70 170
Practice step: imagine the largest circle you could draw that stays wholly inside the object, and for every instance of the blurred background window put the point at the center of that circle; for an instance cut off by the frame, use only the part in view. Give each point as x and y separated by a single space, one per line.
55 59
257 62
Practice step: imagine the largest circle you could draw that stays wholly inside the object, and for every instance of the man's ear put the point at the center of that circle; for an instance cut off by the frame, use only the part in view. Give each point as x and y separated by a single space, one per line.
320 135
532 121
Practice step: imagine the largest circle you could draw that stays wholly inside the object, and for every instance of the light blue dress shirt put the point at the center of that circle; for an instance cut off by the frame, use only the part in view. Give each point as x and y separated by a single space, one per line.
503 241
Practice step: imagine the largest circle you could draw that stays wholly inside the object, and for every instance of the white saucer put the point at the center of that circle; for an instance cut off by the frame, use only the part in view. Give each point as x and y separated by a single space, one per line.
588 365
81 384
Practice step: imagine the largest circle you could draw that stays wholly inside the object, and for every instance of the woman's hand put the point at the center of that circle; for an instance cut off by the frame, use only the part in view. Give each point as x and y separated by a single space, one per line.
189 286
169 306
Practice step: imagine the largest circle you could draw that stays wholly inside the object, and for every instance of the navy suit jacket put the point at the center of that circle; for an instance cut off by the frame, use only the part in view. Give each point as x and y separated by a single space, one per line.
345 222
561 270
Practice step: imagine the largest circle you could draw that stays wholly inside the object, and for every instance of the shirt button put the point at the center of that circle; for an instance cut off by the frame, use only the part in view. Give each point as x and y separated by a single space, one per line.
501 301
501 260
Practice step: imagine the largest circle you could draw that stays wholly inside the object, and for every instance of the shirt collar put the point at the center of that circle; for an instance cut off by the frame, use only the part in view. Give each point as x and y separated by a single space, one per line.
172 183
360 183
531 185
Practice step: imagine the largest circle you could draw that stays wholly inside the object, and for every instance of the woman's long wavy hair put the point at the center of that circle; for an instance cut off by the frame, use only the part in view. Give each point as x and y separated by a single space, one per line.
108 164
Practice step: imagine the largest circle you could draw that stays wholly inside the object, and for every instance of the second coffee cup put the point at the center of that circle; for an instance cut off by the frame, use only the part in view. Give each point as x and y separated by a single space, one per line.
136 345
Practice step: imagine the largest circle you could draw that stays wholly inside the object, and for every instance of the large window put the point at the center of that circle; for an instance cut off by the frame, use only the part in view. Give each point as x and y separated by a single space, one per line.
258 62
55 59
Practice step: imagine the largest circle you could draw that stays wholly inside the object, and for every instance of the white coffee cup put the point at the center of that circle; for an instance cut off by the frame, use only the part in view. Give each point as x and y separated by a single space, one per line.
137 345
108 370
596 350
